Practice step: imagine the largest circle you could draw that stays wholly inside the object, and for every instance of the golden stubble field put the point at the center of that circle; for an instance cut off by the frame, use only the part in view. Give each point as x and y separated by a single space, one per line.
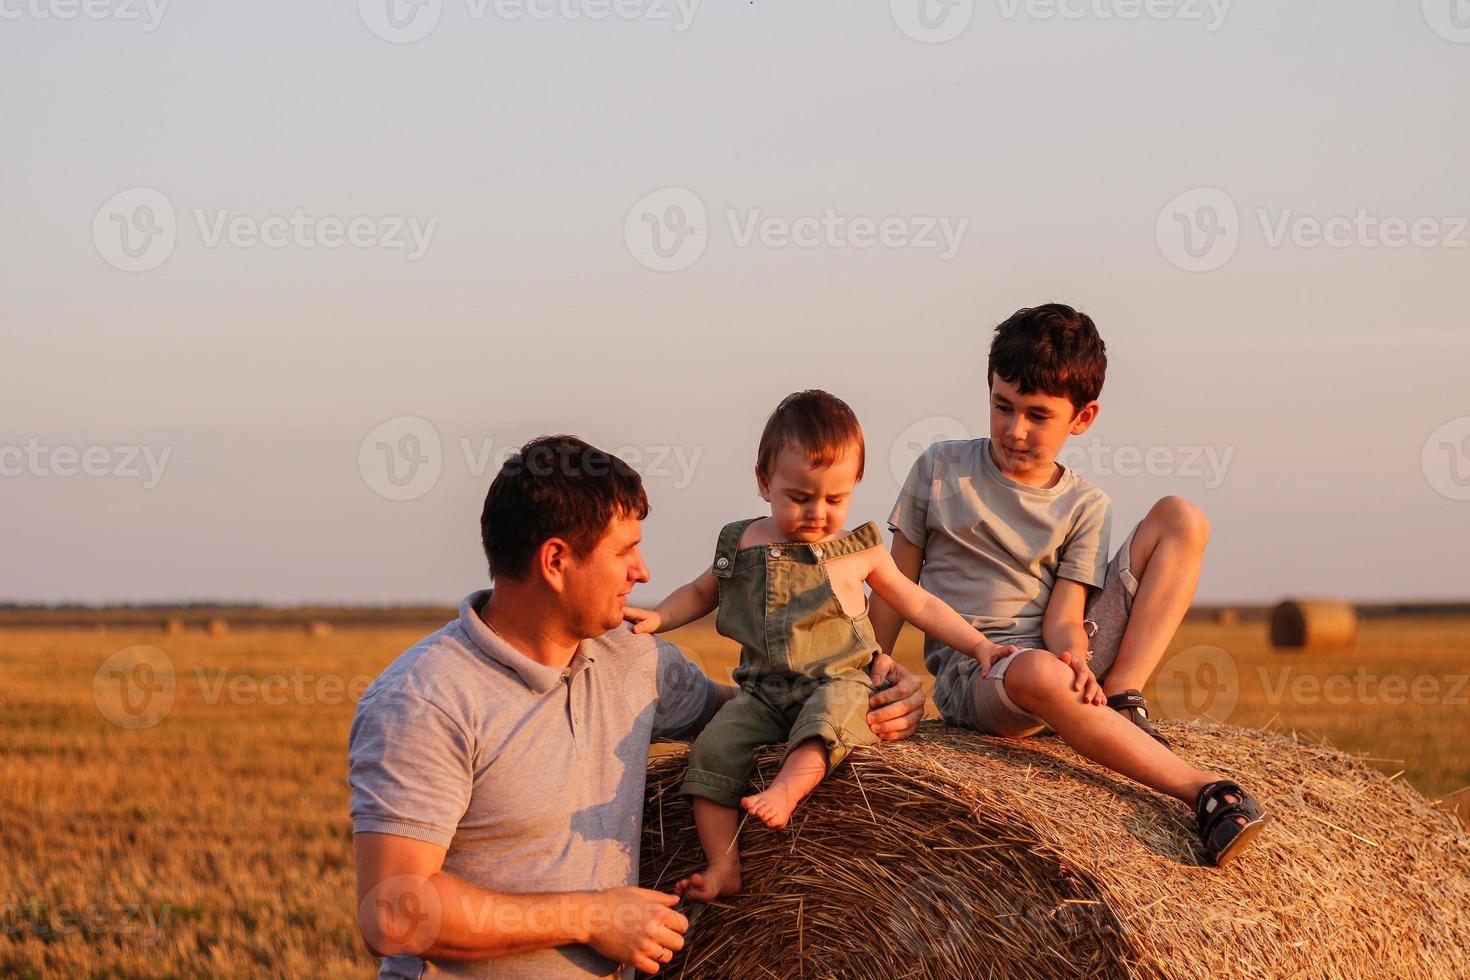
200 827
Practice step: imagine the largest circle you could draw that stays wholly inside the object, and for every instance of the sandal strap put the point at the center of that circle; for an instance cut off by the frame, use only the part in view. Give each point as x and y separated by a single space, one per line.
1129 701
1212 809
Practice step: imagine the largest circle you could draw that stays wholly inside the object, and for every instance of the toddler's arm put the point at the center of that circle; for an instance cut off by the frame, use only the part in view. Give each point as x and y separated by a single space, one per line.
909 560
687 603
933 616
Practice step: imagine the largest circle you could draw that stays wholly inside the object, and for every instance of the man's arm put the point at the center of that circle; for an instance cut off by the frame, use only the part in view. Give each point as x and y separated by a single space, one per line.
407 906
1062 629
908 558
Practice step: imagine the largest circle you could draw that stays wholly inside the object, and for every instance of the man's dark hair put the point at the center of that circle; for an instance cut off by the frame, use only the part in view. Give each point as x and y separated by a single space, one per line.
1053 349
555 487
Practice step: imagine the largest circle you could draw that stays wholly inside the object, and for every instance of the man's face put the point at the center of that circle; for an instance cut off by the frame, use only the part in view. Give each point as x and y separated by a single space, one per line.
809 503
1027 431
597 584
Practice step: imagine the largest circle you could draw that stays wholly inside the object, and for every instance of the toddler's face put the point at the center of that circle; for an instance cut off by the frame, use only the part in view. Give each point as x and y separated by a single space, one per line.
809 503
1027 431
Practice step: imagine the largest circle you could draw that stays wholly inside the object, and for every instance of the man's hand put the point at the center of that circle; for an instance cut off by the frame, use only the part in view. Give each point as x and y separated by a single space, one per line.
1084 683
635 926
643 620
988 653
895 711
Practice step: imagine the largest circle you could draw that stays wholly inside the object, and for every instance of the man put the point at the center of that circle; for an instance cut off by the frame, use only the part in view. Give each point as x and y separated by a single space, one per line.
498 766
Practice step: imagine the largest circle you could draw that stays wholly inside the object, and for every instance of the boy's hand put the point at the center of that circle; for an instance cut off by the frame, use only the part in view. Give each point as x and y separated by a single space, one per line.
1085 683
988 653
643 620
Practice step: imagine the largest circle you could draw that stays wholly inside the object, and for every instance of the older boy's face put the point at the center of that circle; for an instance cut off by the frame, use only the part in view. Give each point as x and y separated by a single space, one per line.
809 503
1027 431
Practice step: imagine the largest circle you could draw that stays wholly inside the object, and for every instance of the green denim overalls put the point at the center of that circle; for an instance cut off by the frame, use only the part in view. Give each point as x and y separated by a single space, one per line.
803 661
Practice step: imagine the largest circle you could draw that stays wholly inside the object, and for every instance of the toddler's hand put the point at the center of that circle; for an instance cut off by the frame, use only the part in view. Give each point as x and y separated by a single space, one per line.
643 620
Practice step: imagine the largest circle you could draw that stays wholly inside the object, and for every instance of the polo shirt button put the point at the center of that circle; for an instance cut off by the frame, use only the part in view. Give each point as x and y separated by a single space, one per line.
817 550
722 562
775 552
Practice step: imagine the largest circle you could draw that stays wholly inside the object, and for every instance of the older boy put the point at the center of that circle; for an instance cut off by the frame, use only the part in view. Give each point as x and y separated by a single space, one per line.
1019 543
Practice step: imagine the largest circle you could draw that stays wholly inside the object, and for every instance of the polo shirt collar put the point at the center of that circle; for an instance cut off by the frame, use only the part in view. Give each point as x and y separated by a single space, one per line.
538 677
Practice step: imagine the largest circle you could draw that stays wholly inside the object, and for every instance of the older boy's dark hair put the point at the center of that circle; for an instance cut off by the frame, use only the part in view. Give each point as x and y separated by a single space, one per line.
555 487
819 424
1053 349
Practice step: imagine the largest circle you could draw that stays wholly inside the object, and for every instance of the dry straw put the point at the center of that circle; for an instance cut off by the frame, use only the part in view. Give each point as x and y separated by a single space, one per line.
1317 624
958 855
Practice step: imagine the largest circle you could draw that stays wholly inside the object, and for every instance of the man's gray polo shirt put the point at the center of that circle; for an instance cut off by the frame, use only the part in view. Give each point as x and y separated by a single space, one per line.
531 776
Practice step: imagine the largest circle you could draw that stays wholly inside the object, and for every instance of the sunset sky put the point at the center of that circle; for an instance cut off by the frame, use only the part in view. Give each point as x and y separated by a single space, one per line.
648 227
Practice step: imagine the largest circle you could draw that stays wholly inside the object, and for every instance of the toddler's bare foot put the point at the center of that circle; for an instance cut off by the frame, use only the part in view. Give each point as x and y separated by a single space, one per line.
772 806
716 881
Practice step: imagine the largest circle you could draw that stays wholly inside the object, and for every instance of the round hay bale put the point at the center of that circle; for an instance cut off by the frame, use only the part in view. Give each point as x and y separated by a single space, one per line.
318 628
217 627
957 855
173 627
1317 624
1228 617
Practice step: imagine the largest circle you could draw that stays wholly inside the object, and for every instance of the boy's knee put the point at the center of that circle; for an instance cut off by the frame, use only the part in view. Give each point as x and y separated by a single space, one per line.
1182 520
1035 678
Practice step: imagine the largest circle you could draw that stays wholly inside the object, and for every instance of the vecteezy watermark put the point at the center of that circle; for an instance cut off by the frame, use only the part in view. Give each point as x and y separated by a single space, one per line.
406 21
1446 459
667 230
49 921
911 443
403 458
1363 688
147 13
145 463
406 910
135 688
1208 464
932 21
1200 229
136 230
1198 682
1210 13
1450 19
934 917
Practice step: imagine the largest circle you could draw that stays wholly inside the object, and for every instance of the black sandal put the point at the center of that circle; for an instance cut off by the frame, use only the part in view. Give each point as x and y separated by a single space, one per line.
1134 706
1215 816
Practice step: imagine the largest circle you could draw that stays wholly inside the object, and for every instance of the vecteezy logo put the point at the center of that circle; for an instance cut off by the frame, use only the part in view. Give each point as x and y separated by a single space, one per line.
1446 459
1199 230
1200 682
135 229
666 231
400 21
910 444
1450 19
932 21
134 688
401 459
407 908
935 917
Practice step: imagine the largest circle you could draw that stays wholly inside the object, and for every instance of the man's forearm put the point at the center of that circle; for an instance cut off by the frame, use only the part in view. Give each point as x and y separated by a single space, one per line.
441 917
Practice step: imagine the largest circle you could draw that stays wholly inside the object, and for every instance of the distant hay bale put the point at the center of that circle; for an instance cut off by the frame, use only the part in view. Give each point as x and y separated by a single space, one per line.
957 855
1228 617
318 628
1315 624
217 627
173 627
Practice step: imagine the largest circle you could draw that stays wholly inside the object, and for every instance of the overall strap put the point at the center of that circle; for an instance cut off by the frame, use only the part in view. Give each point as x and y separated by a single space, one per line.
729 543
851 543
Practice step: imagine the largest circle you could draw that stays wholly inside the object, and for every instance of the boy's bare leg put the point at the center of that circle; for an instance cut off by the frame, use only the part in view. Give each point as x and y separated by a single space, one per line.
802 772
1168 549
718 826
1041 684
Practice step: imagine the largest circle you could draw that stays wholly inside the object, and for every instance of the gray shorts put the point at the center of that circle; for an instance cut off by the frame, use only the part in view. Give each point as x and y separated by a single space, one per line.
982 704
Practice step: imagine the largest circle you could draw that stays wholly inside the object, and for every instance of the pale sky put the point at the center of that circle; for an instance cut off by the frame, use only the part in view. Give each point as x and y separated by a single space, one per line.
1310 394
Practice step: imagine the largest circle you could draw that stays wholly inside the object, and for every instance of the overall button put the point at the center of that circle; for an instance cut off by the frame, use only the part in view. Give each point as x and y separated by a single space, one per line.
817 550
722 562
775 552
